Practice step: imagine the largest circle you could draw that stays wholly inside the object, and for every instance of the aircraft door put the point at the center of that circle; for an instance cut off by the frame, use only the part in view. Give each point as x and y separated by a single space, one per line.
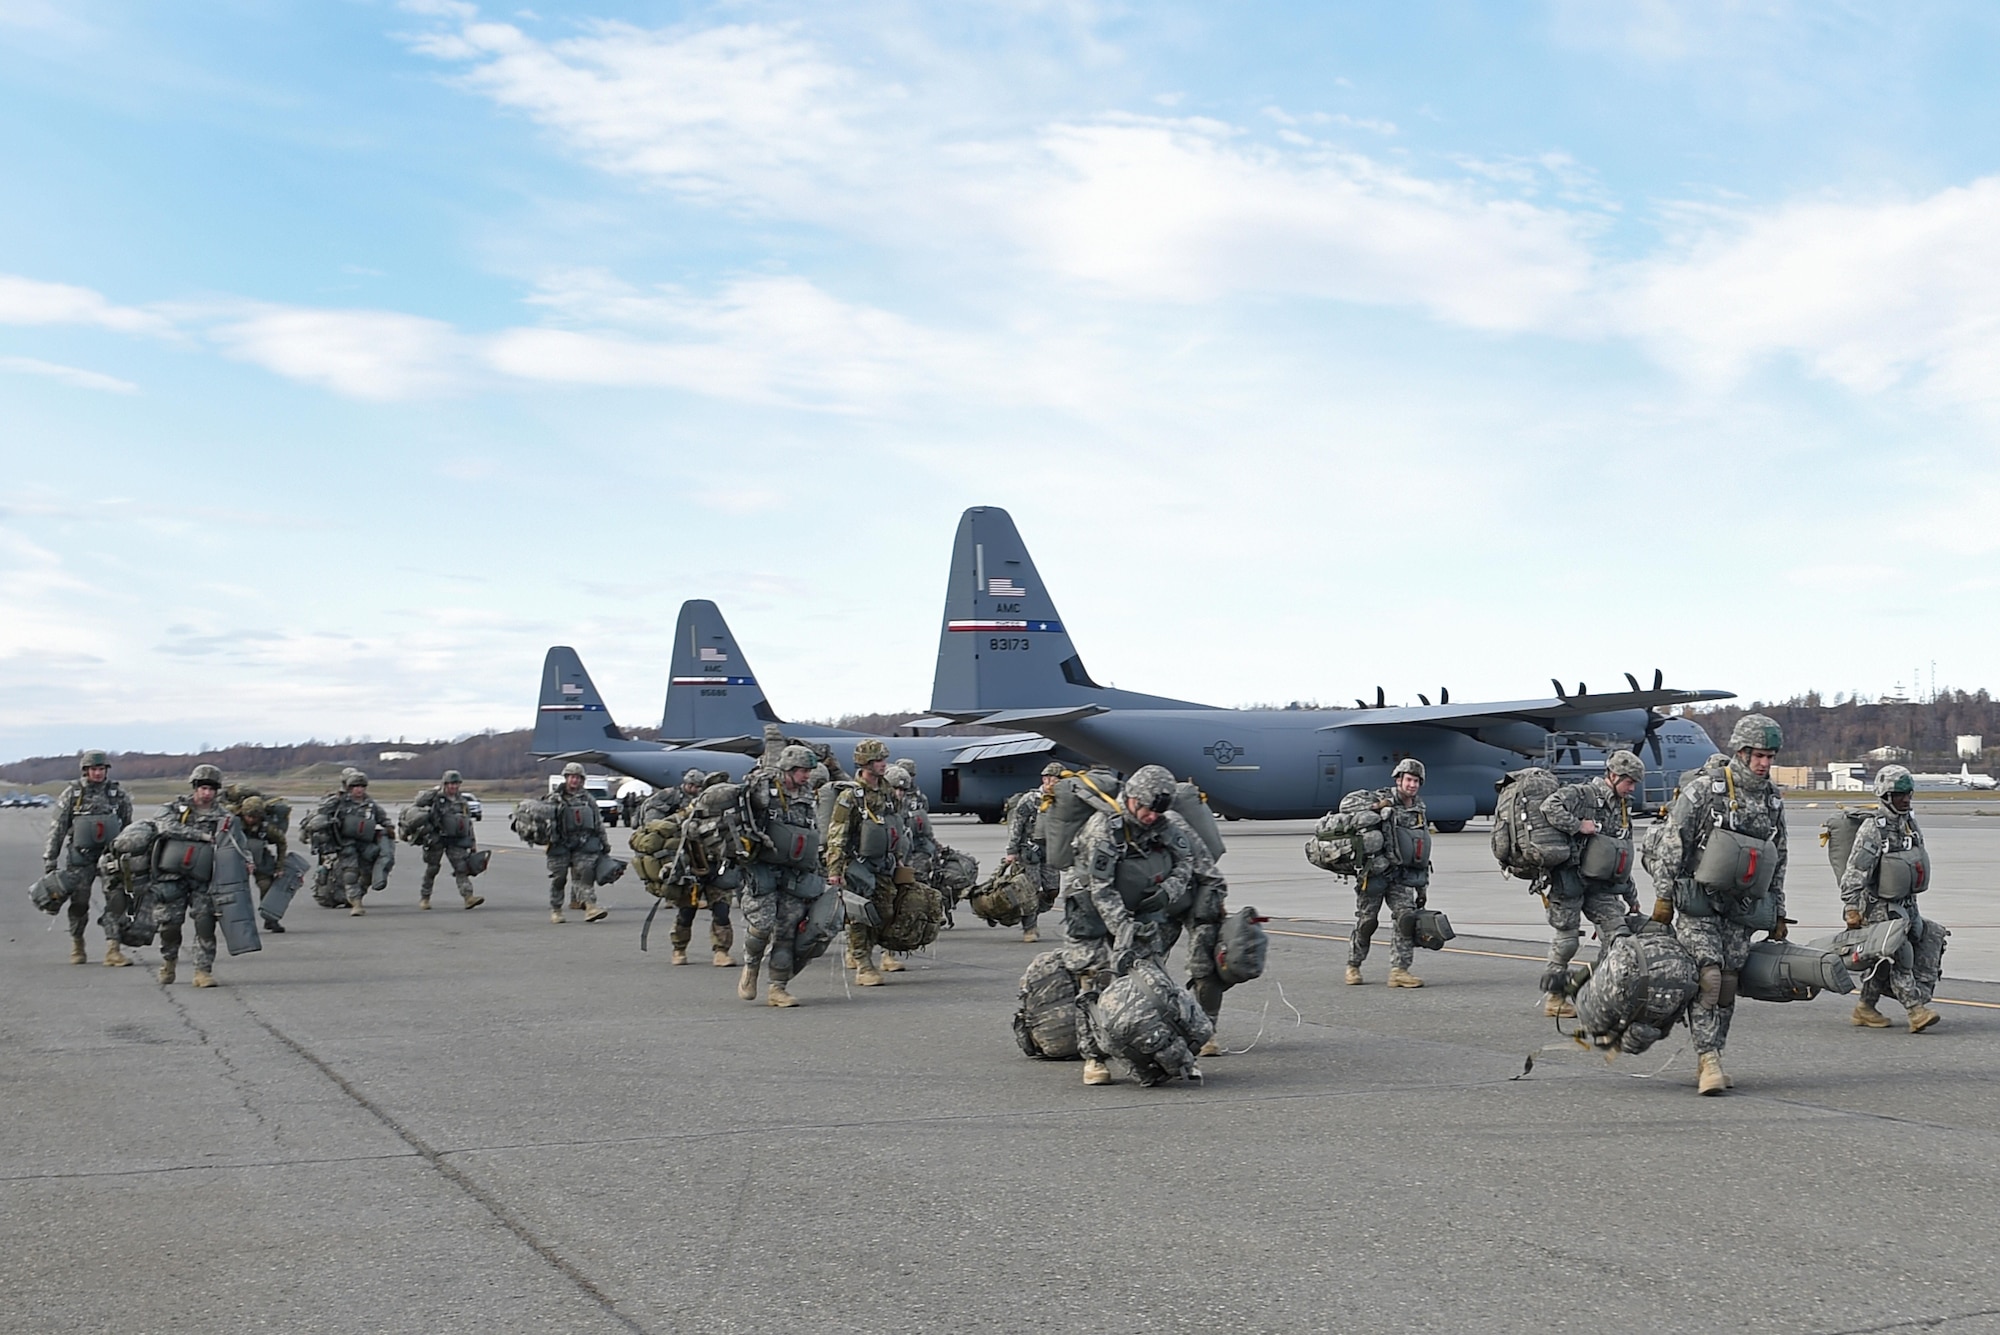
1330 790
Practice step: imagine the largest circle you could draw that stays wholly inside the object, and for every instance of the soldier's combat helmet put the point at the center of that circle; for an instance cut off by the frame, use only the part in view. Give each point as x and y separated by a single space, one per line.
796 757
869 749
205 774
1053 770
1408 765
1756 732
1625 765
1892 779
1151 786
899 778
572 768
355 779
691 778
90 758
452 776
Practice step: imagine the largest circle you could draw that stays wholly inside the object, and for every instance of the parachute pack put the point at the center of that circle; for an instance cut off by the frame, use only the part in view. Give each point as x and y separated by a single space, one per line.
1148 1022
954 873
1899 874
414 823
1636 993
1241 947
1524 843
1863 948
1781 971
1045 1021
1077 797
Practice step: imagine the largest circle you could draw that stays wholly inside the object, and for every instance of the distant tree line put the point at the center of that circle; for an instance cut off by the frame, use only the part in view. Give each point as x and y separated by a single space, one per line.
1818 732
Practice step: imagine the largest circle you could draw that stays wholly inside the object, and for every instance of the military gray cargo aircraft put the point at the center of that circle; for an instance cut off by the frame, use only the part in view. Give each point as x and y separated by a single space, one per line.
1005 661
715 716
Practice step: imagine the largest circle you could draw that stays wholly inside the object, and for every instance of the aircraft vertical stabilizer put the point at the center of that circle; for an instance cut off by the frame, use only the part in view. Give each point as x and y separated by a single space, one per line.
711 691
1002 645
571 716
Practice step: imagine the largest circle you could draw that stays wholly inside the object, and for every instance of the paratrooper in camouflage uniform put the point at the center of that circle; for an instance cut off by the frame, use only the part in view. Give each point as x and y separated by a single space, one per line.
198 818
690 897
92 802
576 846
365 840
1893 829
1024 845
778 892
1600 805
448 837
1403 890
1733 791
864 838
263 836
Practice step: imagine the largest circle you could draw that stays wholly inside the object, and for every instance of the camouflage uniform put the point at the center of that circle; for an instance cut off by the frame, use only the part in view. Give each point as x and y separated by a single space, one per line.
1571 896
1207 908
865 817
176 897
1889 830
775 897
573 852
77 865
664 801
365 843
1717 930
1130 886
448 837
1026 847
1403 890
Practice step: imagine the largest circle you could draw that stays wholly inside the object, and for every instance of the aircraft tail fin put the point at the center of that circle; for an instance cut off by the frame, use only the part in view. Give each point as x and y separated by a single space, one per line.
711 691
1002 645
571 715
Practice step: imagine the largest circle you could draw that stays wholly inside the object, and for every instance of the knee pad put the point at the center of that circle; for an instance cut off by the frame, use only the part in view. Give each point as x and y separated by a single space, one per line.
1710 994
1728 997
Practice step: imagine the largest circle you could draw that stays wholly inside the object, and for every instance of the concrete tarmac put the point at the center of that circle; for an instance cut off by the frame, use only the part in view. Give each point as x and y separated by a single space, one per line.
481 1121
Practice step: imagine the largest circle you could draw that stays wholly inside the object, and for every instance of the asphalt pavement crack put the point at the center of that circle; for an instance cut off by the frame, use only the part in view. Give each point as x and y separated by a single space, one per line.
484 1198
1915 1323
230 1070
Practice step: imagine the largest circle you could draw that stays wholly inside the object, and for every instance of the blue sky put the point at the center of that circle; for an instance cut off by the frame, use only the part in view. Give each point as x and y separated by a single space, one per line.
352 353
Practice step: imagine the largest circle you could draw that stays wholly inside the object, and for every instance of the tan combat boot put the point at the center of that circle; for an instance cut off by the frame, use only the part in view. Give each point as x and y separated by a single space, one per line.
1031 935
114 958
1401 977
680 956
1713 1081
424 903
474 901
721 960
77 954
203 978
890 964
1095 1072
166 971
354 909
1354 975
1209 1049
596 913
1867 1017
555 915
1557 1007
867 975
746 986
576 903
1922 1017
776 995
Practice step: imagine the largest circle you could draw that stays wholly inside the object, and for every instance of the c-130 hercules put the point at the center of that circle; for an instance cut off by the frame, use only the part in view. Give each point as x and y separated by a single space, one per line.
1005 661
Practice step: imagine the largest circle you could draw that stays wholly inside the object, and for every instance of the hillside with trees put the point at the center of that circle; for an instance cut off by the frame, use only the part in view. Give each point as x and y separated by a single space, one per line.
1818 732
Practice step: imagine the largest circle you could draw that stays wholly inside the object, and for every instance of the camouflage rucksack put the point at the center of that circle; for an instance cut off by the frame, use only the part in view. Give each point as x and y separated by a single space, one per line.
1241 947
534 819
1149 1022
914 919
1045 1022
1524 843
414 823
1348 842
1007 897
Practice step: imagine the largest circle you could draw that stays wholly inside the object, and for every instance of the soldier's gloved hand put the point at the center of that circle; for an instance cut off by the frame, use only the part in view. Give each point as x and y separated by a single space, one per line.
1852 917
1663 910
1152 901
1778 930
49 866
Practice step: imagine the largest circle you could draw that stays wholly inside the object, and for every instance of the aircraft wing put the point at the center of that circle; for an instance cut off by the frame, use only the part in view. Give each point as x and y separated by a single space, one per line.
1030 719
981 749
1550 714
580 757
740 745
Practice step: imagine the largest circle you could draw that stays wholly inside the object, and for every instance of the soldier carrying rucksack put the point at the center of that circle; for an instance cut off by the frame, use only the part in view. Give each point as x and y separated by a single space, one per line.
84 821
1886 868
1595 880
1402 885
439 820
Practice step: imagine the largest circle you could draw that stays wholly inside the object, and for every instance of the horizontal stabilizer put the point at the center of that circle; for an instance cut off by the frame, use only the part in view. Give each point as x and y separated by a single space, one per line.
1024 718
997 750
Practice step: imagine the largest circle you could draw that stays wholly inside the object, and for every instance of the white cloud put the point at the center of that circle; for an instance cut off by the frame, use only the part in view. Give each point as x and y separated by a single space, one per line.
68 375
1871 296
365 354
26 301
